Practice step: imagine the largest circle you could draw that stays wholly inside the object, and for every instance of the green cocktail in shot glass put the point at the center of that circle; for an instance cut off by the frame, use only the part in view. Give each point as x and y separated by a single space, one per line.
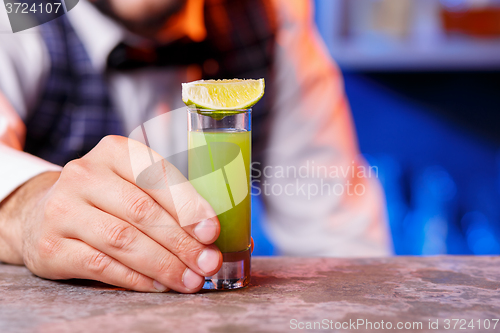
219 169
219 153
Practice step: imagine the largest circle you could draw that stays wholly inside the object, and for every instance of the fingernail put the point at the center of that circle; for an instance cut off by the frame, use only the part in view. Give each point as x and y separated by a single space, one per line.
205 231
158 286
191 280
208 260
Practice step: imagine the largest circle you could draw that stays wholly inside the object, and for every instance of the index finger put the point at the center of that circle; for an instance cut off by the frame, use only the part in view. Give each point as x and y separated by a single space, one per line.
162 181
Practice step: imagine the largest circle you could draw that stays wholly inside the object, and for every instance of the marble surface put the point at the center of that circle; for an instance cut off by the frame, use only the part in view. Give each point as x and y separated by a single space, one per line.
285 293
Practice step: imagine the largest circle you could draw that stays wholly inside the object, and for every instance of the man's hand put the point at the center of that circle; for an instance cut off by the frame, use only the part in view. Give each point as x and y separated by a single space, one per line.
93 222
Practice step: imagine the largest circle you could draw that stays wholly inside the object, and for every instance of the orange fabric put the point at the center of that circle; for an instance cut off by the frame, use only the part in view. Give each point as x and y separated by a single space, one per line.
12 129
189 22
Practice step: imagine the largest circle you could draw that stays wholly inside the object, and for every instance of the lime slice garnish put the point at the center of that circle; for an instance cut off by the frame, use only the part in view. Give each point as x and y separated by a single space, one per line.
223 94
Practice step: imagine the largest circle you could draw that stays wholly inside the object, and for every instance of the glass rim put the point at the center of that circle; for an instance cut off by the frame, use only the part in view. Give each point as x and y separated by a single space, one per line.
193 109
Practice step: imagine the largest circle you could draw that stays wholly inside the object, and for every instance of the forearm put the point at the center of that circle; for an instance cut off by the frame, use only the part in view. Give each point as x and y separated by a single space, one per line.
15 212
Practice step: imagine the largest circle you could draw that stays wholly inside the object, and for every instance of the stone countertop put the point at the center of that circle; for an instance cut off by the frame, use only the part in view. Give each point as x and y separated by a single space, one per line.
285 293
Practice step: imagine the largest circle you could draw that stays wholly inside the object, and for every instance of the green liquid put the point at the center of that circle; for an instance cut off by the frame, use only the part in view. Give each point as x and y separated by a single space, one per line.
219 169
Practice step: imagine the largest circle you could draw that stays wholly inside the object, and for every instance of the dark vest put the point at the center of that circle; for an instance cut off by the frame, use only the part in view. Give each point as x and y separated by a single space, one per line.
75 110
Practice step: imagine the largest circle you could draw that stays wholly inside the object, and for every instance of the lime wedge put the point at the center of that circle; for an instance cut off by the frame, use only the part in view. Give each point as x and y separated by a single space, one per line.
223 94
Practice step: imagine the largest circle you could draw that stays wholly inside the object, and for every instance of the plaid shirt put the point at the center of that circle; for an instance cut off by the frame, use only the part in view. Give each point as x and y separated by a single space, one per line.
75 110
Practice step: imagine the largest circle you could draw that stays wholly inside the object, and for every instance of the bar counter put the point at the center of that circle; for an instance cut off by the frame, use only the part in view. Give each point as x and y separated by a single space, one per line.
286 294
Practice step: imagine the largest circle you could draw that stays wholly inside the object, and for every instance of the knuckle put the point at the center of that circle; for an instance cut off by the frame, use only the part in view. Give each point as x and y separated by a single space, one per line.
120 236
48 247
153 177
165 265
182 242
132 279
106 148
140 208
97 263
76 169
188 210
110 141
55 207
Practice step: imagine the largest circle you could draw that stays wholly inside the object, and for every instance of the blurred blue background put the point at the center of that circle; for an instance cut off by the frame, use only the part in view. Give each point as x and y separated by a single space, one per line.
423 81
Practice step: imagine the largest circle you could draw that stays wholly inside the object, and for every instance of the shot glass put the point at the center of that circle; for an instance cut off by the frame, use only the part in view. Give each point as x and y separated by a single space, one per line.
219 157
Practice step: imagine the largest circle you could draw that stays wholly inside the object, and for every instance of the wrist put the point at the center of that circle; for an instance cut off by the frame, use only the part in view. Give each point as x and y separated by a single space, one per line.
15 211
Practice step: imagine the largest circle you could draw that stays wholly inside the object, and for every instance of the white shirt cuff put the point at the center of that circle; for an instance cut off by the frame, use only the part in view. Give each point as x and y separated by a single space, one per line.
17 167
